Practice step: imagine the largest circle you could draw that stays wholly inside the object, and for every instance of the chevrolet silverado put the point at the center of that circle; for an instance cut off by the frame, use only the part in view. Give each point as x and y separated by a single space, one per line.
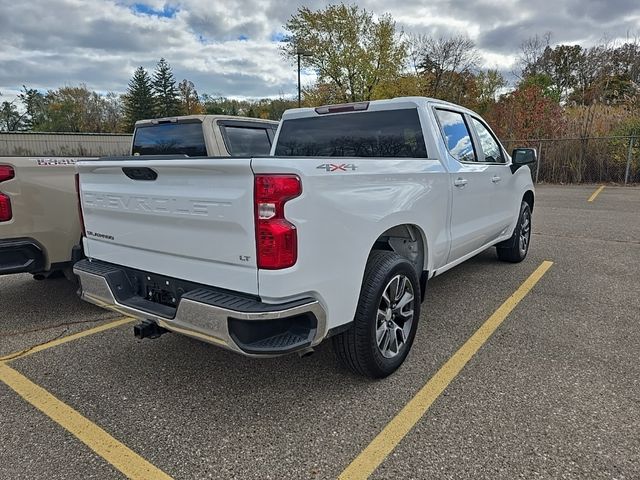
335 234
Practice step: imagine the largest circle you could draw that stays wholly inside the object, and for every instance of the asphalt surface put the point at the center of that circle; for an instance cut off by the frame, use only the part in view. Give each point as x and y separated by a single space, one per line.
554 393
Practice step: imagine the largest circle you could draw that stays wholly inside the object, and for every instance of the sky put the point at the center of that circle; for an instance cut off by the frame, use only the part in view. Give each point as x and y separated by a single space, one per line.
231 47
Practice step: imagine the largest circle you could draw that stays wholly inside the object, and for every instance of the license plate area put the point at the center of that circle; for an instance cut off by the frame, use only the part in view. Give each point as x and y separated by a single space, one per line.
157 288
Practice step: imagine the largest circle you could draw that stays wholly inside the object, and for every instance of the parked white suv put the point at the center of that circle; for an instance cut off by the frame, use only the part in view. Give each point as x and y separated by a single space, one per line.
334 235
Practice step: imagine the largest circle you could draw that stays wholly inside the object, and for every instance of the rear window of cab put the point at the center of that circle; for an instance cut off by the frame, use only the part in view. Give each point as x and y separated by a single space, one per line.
383 133
170 139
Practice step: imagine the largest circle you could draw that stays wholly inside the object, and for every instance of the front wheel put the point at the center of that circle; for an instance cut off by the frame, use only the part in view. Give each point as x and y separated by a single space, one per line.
386 320
516 248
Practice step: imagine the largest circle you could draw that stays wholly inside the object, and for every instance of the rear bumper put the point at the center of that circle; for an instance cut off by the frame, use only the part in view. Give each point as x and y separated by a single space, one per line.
21 255
231 320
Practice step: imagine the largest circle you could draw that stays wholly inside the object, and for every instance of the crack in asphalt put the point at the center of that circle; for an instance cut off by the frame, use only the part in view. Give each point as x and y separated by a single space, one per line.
50 327
613 240
13 356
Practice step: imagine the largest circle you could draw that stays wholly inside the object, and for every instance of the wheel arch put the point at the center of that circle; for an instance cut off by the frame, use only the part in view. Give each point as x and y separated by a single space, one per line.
409 241
529 197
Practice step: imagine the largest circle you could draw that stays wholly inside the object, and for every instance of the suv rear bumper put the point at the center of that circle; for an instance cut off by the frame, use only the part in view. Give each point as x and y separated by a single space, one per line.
21 255
231 320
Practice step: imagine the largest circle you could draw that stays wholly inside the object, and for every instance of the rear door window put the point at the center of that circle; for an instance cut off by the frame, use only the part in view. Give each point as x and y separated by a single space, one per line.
170 139
388 133
246 141
456 135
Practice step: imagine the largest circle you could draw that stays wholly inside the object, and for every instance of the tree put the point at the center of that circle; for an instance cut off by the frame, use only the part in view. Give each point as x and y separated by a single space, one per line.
112 112
561 64
34 104
488 85
11 119
139 103
347 47
189 99
447 64
526 113
73 109
220 105
164 90
543 82
530 51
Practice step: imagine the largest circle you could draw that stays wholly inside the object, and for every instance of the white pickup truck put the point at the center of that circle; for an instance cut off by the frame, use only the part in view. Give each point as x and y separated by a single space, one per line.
39 222
334 235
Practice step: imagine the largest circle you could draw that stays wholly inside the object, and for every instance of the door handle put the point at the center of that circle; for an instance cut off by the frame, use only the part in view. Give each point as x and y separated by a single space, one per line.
460 182
496 179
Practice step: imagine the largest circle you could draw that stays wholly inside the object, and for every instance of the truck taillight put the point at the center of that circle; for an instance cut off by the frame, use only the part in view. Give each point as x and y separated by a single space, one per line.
276 238
6 173
82 229
5 208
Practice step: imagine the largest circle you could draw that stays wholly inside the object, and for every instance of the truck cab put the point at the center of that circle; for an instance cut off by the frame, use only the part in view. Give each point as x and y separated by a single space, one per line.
204 136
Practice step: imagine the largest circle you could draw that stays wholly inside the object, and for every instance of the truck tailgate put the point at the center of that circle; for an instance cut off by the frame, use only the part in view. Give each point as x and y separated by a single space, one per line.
44 205
194 221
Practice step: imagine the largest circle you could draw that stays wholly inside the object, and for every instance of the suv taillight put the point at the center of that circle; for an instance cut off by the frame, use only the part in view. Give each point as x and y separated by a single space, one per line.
6 173
5 208
82 229
276 238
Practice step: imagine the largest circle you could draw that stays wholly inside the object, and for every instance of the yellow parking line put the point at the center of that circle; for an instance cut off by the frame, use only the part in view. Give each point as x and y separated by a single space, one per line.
68 338
383 444
596 193
121 457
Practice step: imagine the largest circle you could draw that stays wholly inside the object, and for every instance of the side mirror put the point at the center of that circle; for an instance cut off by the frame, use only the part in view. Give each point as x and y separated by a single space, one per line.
523 156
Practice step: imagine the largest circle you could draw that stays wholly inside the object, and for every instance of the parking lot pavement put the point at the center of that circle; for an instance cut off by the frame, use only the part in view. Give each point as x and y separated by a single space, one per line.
34 312
554 393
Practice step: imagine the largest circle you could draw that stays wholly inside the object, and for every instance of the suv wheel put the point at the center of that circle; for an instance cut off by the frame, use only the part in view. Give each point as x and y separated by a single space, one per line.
386 320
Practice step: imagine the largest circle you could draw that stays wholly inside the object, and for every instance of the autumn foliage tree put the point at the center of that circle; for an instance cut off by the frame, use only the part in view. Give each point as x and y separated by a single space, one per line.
526 113
188 98
350 50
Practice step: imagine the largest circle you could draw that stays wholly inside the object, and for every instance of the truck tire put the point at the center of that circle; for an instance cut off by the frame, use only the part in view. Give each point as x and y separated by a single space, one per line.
516 248
50 275
386 319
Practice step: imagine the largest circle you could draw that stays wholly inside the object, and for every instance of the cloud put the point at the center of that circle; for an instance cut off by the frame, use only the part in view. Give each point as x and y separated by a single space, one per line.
232 48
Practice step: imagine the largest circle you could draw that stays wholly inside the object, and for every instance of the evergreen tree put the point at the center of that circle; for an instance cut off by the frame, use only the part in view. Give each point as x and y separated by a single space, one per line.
139 101
164 90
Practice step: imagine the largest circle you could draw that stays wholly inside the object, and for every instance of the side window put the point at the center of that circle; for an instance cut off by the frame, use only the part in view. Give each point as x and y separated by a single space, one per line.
246 141
490 146
456 135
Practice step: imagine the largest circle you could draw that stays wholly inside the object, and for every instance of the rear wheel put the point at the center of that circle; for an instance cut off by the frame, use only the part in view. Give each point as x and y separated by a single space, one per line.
386 320
516 248
51 274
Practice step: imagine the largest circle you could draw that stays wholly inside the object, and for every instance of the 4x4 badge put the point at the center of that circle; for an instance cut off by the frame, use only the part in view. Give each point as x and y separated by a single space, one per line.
337 167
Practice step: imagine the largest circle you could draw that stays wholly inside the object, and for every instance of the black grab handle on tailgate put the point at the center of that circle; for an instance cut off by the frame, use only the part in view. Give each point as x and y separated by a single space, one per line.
140 173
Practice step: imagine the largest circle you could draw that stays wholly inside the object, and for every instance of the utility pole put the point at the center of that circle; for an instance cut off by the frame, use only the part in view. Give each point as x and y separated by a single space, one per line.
299 93
300 53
